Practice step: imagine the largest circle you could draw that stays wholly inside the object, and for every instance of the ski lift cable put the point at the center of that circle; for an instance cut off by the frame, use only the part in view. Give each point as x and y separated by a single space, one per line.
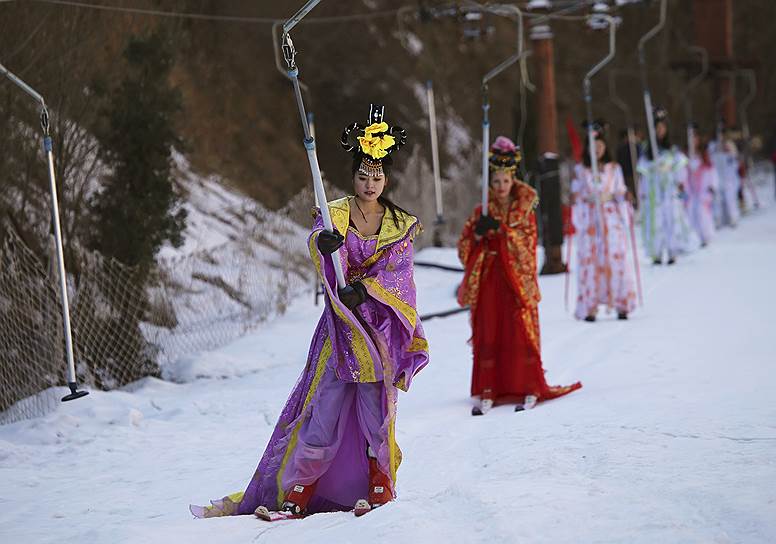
23 45
48 148
562 15
221 18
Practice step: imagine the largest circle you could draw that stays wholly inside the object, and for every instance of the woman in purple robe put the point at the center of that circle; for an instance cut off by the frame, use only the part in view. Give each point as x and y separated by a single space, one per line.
334 444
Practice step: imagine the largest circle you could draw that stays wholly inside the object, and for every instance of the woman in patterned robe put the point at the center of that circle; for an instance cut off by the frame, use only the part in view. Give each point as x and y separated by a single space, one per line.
498 251
665 225
702 184
602 218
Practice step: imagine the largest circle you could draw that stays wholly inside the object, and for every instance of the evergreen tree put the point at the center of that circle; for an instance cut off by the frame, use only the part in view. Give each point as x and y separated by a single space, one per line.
137 209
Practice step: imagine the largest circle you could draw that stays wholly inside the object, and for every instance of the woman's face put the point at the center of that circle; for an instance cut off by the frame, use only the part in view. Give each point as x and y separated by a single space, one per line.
661 130
696 141
600 149
501 183
368 188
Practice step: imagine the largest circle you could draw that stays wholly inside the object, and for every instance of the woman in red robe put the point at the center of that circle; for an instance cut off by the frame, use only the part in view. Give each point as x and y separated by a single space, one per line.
498 251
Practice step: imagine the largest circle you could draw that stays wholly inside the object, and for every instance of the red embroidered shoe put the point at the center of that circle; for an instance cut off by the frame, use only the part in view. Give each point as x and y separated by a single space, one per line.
297 499
379 485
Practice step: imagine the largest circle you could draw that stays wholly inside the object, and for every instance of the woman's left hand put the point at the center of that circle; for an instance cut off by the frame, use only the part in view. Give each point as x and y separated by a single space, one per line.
352 295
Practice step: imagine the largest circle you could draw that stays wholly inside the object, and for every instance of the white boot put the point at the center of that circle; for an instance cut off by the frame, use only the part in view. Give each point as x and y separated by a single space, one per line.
362 507
483 408
528 403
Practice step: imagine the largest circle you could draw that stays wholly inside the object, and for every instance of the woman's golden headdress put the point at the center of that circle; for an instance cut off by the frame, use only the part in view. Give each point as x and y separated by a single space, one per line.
504 155
373 143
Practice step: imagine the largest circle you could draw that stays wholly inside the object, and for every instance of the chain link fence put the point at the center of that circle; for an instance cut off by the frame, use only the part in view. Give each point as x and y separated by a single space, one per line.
126 326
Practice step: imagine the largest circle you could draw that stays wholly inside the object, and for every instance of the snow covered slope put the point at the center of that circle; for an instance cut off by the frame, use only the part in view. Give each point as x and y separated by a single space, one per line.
240 265
672 438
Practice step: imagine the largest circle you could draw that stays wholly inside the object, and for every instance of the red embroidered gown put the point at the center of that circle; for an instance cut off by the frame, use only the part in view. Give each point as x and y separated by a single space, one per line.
500 285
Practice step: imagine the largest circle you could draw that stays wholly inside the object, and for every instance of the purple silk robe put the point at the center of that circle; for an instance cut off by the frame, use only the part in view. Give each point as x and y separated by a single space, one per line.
356 363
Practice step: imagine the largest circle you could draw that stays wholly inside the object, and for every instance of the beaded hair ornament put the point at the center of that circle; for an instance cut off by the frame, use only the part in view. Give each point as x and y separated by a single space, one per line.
660 115
504 155
373 143
599 127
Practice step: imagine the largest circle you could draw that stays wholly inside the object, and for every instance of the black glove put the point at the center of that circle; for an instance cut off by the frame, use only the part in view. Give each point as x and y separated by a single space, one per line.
352 295
329 242
484 224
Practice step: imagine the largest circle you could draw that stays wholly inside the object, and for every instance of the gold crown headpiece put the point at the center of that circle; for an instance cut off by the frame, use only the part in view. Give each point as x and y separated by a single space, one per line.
504 155
374 143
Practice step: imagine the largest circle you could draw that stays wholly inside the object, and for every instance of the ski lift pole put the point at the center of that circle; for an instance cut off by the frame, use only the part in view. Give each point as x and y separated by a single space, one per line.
289 25
620 103
525 85
691 85
72 381
634 159
289 54
485 144
305 89
720 117
751 78
499 9
644 80
587 89
588 92
752 81
525 81
434 152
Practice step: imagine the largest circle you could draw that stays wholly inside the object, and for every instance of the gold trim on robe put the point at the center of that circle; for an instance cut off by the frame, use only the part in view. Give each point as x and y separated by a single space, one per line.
519 244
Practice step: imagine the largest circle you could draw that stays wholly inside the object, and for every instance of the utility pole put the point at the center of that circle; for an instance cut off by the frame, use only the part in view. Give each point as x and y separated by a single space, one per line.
714 32
550 213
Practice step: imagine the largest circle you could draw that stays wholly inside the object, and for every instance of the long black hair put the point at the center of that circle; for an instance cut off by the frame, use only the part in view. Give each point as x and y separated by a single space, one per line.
662 143
386 202
607 158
